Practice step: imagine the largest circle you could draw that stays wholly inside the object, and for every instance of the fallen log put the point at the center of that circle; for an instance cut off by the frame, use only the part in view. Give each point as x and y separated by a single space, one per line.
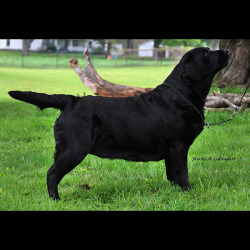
231 97
89 77
208 110
99 86
218 102
227 95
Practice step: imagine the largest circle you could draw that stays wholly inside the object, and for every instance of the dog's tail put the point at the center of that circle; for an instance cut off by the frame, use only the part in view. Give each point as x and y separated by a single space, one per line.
44 101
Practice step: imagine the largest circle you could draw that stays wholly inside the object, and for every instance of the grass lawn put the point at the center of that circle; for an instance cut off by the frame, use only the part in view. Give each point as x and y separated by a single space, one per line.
59 60
218 159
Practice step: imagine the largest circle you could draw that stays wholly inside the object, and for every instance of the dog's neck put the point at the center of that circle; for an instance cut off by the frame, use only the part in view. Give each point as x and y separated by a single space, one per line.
198 91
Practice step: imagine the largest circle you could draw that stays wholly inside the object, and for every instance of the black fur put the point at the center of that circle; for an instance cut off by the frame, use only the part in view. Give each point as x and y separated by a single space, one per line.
151 127
43 101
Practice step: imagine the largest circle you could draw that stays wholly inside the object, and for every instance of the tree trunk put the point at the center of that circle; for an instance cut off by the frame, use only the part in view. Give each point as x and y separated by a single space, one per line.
157 43
238 70
129 46
109 48
26 46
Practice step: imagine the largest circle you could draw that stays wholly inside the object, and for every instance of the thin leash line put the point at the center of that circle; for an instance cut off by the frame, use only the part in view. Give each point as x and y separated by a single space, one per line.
234 109
187 101
212 124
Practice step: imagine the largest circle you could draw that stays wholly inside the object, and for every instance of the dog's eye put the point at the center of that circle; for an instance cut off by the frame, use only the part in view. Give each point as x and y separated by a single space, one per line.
206 54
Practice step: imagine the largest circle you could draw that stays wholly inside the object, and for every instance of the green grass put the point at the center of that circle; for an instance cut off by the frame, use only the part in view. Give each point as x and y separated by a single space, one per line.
59 60
27 148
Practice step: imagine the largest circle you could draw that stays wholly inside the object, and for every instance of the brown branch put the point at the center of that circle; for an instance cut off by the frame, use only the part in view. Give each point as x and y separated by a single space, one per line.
92 69
99 86
86 80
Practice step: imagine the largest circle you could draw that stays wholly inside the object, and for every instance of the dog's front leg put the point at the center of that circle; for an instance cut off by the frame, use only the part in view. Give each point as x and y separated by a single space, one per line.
176 166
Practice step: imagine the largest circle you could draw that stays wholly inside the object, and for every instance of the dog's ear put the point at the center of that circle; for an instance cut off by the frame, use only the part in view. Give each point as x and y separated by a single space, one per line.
189 68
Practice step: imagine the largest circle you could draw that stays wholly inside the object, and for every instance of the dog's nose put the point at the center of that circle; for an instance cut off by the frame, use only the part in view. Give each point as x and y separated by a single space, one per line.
226 51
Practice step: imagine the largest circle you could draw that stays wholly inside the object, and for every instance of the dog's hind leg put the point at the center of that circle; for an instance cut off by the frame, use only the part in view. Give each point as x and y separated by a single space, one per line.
71 149
64 163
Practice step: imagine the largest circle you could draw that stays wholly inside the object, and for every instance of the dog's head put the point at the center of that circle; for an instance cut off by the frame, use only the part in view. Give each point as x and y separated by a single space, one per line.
201 63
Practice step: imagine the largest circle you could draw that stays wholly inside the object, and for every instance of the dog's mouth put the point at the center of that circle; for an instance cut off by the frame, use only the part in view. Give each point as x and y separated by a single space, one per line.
225 57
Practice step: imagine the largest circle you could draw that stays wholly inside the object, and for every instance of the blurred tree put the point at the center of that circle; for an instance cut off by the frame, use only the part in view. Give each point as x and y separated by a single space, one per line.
213 44
182 42
109 47
238 70
128 45
26 46
102 42
109 43
157 43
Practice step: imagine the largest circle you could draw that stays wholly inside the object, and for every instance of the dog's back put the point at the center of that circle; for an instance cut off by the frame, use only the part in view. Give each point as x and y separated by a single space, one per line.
131 128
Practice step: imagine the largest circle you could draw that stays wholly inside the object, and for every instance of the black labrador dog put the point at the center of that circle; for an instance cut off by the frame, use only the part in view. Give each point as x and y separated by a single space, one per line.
161 124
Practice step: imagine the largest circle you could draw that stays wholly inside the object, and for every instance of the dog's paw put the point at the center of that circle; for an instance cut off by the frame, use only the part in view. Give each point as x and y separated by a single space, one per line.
185 186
